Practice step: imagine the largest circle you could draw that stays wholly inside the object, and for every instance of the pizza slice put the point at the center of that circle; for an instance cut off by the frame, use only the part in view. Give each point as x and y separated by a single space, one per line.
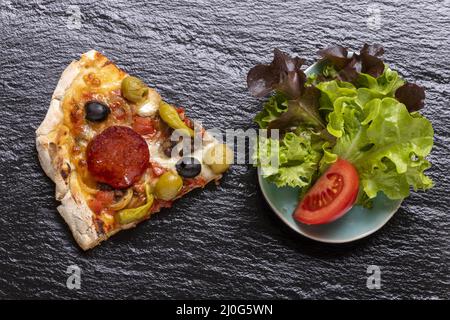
117 152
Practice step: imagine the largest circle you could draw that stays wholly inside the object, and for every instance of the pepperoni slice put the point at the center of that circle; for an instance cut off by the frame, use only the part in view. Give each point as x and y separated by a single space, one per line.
118 156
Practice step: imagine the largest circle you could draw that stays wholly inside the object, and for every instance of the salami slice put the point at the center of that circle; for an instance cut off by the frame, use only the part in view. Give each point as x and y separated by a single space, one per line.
118 156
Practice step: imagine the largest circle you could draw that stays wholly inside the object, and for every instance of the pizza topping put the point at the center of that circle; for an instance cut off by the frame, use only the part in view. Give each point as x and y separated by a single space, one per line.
177 148
172 118
183 117
144 126
130 215
186 146
104 187
108 220
133 89
148 109
218 158
119 113
105 197
96 111
76 119
190 184
157 170
118 107
188 167
168 186
137 200
167 147
158 204
118 156
122 200
150 106
101 200
86 133
95 205
92 80
85 187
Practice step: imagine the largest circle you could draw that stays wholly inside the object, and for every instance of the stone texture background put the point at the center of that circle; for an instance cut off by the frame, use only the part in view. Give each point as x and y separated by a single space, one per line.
223 242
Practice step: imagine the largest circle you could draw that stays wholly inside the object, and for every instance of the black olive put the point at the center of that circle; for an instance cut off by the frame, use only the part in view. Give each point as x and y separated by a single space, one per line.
96 111
188 167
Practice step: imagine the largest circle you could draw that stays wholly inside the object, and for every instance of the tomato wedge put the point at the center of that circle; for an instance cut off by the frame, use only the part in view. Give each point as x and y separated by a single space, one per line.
331 196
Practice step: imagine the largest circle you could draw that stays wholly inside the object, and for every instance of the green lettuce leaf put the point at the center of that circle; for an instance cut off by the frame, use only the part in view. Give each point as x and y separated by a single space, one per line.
366 89
273 108
292 160
384 86
331 90
385 143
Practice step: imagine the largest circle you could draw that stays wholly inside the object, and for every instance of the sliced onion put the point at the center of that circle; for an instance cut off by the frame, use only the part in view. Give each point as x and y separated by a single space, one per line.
122 203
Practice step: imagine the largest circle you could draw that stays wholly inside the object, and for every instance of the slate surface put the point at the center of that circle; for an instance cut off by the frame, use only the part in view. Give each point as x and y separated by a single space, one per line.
223 242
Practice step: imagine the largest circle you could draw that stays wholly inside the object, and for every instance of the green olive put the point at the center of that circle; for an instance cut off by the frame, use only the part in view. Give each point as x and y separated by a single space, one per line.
168 186
219 158
171 117
133 89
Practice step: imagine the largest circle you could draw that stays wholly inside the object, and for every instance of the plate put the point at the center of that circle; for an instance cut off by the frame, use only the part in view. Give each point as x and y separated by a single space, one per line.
358 223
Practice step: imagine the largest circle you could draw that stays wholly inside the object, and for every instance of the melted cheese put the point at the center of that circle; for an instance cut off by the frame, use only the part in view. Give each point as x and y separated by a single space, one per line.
151 106
159 157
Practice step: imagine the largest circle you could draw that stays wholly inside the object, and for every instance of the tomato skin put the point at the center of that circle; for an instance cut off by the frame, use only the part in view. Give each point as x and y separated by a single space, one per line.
101 200
95 205
144 126
105 197
332 196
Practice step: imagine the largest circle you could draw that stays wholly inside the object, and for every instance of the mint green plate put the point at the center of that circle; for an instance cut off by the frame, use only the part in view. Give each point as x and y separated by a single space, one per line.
358 223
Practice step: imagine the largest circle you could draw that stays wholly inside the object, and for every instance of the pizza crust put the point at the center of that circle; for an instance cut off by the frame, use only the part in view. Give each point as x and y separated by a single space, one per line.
73 206
79 217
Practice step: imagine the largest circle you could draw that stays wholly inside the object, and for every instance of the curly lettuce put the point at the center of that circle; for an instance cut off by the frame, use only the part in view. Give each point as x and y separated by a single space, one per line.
292 160
385 143
294 103
273 108
356 108
366 88
347 66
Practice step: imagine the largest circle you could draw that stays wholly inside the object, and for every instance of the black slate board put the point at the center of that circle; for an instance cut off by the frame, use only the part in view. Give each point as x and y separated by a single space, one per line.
223 242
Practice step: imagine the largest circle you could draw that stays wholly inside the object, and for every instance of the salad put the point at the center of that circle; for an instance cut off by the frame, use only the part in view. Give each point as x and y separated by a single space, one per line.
344 134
